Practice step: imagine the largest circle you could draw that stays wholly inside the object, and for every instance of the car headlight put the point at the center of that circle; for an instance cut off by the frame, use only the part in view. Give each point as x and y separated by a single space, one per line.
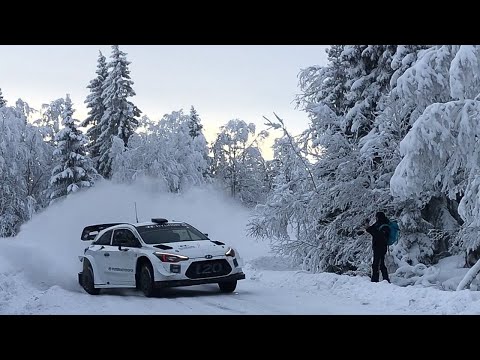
171 258
230 252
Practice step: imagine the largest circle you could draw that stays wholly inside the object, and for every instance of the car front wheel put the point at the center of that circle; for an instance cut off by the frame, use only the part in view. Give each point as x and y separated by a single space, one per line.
88 279
227 286
146 280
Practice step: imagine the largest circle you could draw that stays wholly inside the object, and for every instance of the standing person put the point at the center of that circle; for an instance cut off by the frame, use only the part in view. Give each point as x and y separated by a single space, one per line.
380 235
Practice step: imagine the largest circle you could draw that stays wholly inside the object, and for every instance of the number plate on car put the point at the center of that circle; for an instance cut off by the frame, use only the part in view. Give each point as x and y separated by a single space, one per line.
209 268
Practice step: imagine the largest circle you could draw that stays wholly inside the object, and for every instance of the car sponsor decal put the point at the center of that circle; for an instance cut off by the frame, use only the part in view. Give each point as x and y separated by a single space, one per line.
156 226
183 247
119 269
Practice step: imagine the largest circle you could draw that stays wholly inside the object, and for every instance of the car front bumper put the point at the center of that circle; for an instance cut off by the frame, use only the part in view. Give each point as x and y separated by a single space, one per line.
189 282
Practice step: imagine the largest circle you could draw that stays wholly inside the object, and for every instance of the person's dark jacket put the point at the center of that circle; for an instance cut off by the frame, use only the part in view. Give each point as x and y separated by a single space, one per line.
379 236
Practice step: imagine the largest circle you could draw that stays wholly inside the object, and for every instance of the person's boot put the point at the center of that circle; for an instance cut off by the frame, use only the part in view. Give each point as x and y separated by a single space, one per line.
385 276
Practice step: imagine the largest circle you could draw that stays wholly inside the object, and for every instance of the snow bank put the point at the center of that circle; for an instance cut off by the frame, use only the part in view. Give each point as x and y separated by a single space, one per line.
382 297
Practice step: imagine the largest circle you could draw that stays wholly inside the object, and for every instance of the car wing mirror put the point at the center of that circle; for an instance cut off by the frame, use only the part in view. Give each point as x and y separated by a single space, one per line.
120 242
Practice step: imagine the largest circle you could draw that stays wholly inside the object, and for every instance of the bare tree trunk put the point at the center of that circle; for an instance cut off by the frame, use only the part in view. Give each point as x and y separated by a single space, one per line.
469 277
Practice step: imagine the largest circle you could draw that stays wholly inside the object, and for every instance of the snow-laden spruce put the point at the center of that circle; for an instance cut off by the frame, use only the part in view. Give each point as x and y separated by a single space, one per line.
404 57
440 153
325 84
194 124
368 69
120 116
426 81
165 151
201 145
94 102
3 102
73 169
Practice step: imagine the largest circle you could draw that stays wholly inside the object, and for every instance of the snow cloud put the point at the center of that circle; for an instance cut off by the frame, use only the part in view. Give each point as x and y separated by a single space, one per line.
47 246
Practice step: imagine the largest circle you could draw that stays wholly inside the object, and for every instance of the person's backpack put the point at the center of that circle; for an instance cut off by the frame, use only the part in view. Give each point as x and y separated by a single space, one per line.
394 232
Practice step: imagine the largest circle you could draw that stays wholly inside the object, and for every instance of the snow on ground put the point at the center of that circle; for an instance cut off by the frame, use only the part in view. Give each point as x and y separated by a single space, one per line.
38 268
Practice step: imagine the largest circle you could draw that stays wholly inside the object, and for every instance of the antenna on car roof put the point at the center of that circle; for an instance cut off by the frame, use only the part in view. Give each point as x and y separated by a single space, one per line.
136 216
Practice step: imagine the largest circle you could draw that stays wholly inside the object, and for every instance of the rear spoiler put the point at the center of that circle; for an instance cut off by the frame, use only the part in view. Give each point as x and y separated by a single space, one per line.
91 231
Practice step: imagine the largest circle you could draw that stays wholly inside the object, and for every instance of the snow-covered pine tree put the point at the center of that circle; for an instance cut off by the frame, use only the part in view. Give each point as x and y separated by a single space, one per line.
437 174
73 170
120 116
94 102
326 84
3 102
196 129
404 57
194 124
426 81
368 70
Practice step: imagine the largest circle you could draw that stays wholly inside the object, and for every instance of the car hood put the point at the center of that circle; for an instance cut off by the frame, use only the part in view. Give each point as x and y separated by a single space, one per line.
193 249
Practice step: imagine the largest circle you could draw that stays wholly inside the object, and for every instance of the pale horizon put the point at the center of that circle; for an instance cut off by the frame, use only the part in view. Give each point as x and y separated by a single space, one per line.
222 82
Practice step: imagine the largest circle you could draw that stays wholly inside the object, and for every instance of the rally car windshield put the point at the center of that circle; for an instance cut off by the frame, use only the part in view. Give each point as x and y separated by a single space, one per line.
161 234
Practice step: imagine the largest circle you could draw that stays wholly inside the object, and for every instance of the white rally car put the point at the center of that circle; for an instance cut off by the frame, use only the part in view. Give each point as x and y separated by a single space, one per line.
154 255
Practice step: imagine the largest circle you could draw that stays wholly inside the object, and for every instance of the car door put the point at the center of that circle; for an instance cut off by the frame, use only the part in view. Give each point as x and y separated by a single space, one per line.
121 262
100 251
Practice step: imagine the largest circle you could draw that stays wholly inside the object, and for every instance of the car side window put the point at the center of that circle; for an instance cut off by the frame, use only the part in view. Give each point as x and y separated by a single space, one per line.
193 236
129 240
184 234
104 239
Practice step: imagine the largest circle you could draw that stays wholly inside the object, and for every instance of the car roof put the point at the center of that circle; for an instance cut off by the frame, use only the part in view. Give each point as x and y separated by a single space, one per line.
93 232
136 225
145 223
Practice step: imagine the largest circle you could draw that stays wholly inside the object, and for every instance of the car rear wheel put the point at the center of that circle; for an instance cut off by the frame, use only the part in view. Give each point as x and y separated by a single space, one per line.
146 280
227 286
88 282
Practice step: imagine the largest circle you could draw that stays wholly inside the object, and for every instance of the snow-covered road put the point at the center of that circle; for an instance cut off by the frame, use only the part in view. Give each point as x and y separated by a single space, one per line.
263 292
252 298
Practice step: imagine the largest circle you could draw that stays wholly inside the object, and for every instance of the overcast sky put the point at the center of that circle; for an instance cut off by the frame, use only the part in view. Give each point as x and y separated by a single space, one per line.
223 82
